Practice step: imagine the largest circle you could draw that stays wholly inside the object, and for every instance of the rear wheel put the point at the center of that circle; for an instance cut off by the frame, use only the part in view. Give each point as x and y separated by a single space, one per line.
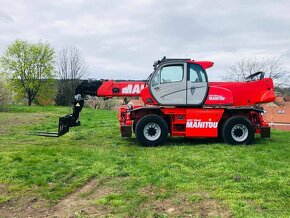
151 130
238 131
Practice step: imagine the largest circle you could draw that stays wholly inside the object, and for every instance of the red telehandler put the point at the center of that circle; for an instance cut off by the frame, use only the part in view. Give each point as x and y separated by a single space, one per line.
180 101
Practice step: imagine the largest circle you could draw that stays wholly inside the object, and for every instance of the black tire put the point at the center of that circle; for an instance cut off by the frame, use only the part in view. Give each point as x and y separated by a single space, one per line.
151 130
238 131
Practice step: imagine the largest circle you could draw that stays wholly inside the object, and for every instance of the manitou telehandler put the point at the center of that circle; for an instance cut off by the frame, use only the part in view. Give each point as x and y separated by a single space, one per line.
180 101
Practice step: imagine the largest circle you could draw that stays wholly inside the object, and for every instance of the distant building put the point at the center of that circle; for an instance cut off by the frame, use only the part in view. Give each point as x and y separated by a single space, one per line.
136 102
277 114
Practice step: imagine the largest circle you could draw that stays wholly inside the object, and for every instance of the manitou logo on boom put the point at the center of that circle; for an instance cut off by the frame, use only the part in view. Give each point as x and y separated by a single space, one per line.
132 89
201 124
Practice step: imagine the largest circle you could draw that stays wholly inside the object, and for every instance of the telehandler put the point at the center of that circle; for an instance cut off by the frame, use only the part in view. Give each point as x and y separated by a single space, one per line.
180 101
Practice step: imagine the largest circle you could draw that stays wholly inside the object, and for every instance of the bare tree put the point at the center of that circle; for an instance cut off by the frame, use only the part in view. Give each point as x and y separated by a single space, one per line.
71 69
71 64
273 68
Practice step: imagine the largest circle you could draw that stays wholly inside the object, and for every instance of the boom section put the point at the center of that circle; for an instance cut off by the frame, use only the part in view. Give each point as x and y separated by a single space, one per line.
120 88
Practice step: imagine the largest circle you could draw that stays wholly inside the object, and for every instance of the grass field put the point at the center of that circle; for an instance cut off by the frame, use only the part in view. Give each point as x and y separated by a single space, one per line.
92 171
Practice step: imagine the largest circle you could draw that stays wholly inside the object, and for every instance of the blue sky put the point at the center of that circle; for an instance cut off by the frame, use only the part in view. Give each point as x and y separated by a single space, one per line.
121 39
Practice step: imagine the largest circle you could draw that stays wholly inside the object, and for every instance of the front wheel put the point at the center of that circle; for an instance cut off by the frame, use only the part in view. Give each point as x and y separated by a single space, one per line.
151 130
238 130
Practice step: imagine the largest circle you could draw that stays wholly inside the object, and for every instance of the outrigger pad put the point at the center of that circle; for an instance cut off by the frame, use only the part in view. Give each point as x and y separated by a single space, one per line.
265 132
126 131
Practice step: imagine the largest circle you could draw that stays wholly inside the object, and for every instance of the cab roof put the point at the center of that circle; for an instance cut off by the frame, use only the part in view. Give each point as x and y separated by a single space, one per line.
203 64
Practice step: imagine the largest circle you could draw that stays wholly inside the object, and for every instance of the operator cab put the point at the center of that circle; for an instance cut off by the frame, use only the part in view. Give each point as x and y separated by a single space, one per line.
179 82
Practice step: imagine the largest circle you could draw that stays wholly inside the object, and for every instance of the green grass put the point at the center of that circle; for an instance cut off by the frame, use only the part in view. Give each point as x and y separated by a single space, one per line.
190 175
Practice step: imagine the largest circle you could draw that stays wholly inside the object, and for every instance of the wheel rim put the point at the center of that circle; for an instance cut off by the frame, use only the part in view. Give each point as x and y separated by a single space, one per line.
240 132
152 131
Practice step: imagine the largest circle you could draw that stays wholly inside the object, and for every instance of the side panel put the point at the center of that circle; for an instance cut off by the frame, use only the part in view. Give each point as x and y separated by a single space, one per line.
219 96
195 122
249 93
203 122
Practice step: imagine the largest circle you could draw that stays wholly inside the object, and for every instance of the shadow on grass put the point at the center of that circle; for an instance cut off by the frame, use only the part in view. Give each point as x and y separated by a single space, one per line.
177 141
182 141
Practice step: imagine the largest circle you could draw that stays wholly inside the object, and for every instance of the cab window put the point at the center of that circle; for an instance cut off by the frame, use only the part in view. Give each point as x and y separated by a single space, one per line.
168 74
171 74
196 74
156 79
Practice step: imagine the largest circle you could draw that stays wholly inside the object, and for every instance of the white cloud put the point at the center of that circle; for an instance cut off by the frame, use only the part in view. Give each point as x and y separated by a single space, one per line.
121 39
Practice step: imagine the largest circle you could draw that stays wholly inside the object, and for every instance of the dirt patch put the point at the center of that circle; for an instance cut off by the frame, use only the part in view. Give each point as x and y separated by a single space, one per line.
23 207
184 205
19 118
255 205
181 206
174 207
8 121
4 193
3 189
79 203
150 190
213 208
82 203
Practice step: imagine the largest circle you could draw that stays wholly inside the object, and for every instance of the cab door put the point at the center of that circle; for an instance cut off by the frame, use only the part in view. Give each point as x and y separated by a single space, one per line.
168 85
197 85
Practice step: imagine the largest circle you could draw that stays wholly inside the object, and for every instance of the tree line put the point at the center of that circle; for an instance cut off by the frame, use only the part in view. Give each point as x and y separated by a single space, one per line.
34 73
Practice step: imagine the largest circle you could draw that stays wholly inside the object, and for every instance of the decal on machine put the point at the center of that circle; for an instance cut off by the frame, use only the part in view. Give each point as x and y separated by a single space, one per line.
132 89
216 97
197 123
